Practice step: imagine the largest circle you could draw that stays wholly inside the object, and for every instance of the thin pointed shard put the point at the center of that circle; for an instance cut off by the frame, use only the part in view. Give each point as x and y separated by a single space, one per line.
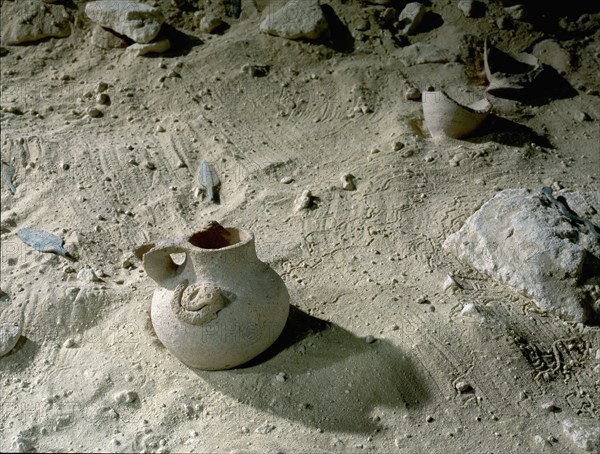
43 241
209 180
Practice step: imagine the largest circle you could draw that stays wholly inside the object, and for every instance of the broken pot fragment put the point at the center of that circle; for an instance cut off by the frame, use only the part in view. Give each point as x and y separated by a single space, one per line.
509 74
444 117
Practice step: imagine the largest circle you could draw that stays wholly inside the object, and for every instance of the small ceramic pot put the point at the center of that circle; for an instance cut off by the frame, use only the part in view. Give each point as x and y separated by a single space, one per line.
221 306
444 117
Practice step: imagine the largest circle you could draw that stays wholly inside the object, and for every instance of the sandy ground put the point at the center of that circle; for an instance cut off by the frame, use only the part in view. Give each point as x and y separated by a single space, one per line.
360 263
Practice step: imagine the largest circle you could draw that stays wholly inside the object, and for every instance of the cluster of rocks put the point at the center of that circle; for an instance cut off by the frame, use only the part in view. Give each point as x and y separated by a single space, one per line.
138 22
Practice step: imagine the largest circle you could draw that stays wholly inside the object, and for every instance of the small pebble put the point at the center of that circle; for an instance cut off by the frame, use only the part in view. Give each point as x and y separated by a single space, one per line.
304 201
102 98
101 87
412 94
463 387
583 116
93 112
550 407
265 428
286 180
125 397
69 343
159 128
370 339
87 275
281 377
348 182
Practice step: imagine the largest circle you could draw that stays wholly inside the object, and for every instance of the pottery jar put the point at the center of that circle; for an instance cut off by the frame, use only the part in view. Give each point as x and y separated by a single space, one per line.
221 306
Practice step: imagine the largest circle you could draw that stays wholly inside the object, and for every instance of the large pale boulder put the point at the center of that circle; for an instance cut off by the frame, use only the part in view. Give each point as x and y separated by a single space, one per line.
137 21
295 20
26 22
521 239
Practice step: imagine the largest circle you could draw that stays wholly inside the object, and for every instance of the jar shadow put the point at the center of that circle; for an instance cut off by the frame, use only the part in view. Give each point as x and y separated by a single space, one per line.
321 375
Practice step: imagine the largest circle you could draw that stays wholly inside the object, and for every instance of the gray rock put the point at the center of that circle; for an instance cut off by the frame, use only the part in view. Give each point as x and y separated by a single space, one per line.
34 21
521 240
551 53
155 47
420 53
10 333
105 39
584 433
471 8
295 20
517 12
210 23
138 21
410 18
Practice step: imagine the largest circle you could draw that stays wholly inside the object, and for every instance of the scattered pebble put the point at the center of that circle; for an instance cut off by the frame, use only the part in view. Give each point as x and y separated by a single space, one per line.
450 284
125 397
370 339
93 112
430 418
472 8
100 87
159 128
463 386
265 428
87 275
281 377
348 182
210 23
583 116
422 300
286 180
304 201
10 333
550 407
255 70
102 98
412 94
538 439
470 310
69 343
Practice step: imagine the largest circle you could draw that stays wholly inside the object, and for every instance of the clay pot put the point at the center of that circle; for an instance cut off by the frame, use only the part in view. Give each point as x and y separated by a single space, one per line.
509 74
221 306
444 117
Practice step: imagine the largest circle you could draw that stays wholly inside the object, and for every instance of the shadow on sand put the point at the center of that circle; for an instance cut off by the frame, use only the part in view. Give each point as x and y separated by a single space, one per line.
334 379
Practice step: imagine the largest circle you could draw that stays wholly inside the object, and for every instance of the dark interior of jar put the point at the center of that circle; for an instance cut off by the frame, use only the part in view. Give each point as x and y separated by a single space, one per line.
216 236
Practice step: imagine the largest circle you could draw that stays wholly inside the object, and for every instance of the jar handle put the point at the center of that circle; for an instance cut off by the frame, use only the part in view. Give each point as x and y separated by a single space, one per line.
159 264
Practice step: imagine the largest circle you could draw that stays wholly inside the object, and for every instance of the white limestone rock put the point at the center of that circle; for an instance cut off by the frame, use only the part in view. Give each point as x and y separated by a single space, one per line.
583 432
521 240
410 18
137 21
31 21
156 47
295 20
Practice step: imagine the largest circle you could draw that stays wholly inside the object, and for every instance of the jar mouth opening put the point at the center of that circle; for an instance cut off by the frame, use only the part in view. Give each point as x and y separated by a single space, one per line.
217 237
